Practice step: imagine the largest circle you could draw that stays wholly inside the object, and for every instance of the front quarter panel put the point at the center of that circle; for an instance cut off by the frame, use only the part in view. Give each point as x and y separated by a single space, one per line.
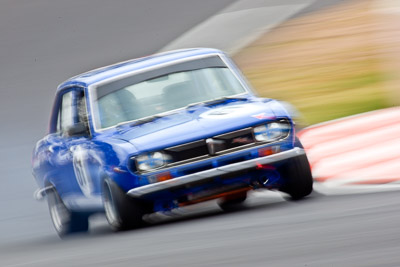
115 161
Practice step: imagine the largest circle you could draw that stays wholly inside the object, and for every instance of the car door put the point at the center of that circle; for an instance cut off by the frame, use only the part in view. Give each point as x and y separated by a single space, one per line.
73 156
61 173
84 154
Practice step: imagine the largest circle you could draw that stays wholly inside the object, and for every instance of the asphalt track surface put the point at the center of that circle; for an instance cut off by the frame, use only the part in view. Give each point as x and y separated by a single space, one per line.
43 43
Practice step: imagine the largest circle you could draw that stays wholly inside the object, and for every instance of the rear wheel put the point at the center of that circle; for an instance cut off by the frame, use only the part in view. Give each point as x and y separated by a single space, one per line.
232 202
65 221
299 181
122 212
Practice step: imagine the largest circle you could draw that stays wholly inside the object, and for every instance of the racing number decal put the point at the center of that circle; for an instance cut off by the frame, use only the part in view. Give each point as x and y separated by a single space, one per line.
80 159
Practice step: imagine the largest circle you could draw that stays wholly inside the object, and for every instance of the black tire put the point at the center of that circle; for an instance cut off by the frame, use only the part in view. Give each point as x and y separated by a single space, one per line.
65 222
122 212
299 180
233 202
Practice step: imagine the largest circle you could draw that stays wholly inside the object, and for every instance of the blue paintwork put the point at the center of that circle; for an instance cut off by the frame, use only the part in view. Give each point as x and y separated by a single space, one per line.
107 153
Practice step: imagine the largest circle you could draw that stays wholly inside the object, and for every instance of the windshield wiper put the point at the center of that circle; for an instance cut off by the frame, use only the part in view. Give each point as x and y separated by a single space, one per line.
126 124
216 101
145 120
206 103
224 99
194 105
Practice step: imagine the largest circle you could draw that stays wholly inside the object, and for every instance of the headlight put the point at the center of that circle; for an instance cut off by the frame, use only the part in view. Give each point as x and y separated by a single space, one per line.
151 160
272 131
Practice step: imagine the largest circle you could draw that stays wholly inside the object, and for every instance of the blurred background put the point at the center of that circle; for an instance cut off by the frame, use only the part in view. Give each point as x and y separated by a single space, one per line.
341 61
329 58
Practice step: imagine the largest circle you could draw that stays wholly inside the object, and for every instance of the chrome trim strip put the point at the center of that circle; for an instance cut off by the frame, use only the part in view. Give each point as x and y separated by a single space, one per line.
230 150
234 133
145 190
219 154
228 135
186 145
184 162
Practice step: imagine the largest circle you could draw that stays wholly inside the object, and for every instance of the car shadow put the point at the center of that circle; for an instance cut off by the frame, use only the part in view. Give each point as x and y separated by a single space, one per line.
99 227
205 210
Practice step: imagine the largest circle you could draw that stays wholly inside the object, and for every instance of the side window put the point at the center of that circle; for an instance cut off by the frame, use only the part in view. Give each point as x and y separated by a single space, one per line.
58 126
71 117
81 107
65 115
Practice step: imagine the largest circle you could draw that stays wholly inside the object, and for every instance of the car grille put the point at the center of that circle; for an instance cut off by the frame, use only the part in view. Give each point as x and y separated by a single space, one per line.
215 145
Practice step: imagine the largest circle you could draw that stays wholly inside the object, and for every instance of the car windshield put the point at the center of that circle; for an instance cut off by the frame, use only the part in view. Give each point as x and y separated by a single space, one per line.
116 104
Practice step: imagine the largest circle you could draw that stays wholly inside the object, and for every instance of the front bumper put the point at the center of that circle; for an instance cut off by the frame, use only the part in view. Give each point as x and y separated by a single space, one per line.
203 176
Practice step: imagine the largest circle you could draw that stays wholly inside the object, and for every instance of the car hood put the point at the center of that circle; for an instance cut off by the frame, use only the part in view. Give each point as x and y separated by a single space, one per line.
199 122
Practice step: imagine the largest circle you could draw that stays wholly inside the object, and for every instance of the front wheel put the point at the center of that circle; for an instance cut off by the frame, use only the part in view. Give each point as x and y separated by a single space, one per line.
122 212
64 220
299 180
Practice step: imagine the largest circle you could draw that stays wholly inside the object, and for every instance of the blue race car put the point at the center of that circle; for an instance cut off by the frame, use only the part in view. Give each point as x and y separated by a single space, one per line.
160 132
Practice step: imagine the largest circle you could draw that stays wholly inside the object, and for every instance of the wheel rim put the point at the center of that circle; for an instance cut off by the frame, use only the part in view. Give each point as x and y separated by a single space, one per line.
59 213
111 213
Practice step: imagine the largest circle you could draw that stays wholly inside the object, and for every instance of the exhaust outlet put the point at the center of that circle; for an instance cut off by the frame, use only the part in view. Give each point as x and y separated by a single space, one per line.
263 180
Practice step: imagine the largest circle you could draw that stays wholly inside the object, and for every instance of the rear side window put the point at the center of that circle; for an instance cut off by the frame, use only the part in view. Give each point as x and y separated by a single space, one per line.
65 118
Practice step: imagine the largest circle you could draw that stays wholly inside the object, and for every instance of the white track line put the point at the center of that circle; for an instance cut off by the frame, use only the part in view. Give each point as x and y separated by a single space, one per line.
237 25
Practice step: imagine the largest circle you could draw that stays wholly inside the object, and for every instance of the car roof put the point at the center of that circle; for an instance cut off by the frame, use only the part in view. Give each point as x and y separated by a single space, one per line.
89 78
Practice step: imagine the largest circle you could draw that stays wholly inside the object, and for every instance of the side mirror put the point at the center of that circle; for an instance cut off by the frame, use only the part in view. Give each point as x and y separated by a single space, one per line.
78 129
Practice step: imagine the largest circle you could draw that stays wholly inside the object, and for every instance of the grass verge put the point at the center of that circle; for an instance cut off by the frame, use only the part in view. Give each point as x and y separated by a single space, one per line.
327 64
